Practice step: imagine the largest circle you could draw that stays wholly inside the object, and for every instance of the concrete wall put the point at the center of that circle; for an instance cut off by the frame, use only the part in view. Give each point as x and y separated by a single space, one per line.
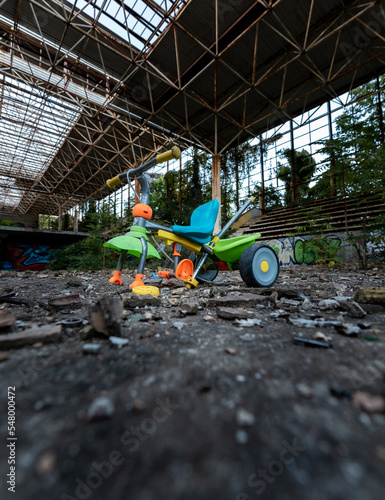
295 250
29 220
246 217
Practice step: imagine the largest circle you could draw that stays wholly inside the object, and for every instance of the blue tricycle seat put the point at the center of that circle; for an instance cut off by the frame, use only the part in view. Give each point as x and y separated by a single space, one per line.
202 223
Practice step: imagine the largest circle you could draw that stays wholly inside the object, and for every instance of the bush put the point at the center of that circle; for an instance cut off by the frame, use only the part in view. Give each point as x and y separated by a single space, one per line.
87 254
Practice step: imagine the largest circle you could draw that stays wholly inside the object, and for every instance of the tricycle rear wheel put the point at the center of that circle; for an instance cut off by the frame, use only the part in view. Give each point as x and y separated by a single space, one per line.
259 265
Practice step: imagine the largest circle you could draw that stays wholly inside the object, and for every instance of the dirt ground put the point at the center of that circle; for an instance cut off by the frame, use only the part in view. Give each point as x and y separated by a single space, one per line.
195 406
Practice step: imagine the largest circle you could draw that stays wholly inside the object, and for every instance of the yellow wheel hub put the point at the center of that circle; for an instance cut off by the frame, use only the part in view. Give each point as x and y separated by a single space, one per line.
264 266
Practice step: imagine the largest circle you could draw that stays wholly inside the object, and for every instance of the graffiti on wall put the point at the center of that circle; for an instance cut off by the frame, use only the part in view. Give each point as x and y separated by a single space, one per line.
33 257
299 250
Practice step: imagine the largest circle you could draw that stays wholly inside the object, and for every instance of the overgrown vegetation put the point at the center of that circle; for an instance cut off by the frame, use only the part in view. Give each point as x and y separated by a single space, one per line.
85 255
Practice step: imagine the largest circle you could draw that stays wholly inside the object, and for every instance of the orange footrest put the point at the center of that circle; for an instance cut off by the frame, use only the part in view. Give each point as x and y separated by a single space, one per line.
185 270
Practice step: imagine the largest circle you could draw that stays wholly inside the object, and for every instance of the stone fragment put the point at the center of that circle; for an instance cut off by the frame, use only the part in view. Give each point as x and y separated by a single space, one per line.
370 295
321 336
241 437
101 408
353 309
328 304
74 282
189 308
348 330
173 302
66 301
248 323
118 342
149 333
43 334
368 402
231 350
91 348
106 316
233 313
178 325
208 317
46 462
7 319
178 291
132 300
87 332
244 417
3 357
246 300
304 390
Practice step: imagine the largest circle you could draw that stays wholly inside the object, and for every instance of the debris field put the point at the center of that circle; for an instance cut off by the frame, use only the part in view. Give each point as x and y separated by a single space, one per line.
222 392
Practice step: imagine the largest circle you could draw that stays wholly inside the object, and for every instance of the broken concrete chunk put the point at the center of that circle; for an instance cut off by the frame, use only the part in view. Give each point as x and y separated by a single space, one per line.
244 300
328 304
348 330
132 300
248 323
42 334
91 348
304 390
233 313
189 308
106 316
100 409
368 402
66 301
370 295
322 337
244 417
7 319
353 309
118 341
87 332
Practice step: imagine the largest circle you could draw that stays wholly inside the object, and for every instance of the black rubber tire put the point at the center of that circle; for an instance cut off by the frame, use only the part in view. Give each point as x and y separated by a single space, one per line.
210 271
251 262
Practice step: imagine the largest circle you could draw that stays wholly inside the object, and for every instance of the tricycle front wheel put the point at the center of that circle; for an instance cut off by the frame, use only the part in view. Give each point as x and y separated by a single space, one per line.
259 266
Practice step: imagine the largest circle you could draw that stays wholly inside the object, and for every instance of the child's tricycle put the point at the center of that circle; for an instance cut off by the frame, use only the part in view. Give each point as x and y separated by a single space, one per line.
257 263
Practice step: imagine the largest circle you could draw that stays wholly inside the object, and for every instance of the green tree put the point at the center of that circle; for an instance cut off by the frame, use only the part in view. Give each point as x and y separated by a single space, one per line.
356 153
303 165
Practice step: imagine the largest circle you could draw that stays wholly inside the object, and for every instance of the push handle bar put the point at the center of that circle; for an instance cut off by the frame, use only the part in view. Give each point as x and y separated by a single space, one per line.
168 155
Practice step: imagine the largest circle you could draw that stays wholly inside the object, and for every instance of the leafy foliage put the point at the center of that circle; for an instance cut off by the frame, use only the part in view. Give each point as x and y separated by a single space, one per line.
84 255
304 166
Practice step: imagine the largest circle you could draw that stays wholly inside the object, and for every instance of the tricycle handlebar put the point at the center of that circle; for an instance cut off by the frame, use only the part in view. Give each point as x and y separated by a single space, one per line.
168 155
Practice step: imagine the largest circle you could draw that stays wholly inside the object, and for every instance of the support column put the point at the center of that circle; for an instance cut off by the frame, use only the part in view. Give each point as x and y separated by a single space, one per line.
380 114
60 220
76 221
332 160
262 200
293 169
216 188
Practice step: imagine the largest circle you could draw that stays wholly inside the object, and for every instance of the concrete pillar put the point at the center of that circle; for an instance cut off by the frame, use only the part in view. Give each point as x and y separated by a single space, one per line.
60 220
76 221
216 188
